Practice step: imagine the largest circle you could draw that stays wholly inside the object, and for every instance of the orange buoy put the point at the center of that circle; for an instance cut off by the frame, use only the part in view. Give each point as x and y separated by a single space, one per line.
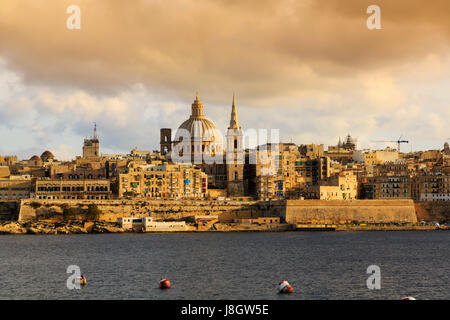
164 284
82 280
285 287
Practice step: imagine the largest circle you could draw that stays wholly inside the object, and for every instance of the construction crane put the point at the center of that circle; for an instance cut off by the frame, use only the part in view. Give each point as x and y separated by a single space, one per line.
398 141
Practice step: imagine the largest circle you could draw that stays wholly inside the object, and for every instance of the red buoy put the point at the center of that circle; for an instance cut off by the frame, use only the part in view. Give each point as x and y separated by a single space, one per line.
285 287
164 284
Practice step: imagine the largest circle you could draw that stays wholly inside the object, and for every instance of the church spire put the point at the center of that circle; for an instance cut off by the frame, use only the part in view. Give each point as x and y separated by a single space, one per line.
234 122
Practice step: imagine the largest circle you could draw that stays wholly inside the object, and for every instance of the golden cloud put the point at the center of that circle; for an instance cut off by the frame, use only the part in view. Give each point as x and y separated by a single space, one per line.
261 47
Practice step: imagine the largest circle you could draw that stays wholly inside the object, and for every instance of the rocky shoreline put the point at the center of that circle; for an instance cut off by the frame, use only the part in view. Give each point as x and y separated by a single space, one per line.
13 227
79 227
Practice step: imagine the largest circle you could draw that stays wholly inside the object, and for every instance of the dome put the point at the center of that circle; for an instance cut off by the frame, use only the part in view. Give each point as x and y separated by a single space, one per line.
47 155
199 128
349 140
35 158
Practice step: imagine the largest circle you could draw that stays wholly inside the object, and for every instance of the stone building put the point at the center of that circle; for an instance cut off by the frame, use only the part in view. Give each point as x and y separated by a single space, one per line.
431 187
287 174
91 146
341 187
312 150
172 181
446 149
393 169
15 187
4 172
343 151
94 189
7 160
371 158
387 187
72 171
197 140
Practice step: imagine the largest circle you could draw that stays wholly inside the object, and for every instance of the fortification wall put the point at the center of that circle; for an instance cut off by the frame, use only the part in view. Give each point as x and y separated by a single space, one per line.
372 211
111 210
433 210
291 211
9 210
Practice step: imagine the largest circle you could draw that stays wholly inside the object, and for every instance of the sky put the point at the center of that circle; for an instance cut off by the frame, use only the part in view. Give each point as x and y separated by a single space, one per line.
311 69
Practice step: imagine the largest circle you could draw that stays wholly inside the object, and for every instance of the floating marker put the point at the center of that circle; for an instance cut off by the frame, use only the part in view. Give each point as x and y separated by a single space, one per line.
82 280
285 287
164 284
408 298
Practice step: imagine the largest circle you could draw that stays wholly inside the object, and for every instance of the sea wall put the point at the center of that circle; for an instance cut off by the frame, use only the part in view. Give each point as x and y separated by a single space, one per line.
111 210
290 211
433 211
9 210
372 211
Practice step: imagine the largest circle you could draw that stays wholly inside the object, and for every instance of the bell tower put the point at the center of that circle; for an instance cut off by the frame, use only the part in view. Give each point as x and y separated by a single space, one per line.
91 146
165 140
235 155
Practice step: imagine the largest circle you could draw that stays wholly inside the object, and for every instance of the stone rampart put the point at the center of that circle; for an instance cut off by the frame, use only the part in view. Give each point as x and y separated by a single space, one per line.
371 211
291 211
9 210
111 210
433 211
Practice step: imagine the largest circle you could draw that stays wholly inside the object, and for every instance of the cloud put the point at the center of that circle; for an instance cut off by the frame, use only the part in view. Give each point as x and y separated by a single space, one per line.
310 68
262 48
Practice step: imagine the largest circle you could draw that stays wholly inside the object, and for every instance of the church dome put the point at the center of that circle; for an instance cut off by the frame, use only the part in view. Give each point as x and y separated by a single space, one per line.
35 158
199 128
47 155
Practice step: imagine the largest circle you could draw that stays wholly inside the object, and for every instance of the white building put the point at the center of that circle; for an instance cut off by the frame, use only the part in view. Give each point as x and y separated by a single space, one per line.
147 224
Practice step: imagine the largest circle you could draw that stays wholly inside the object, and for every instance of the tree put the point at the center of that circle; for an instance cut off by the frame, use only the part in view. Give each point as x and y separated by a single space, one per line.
93 212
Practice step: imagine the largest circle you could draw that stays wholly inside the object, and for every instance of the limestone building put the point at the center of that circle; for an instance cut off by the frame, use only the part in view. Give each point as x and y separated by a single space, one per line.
164 180
293 173
95 189
343 151
7 160
91 146
341 187
388 187
431 187
15 187
197 140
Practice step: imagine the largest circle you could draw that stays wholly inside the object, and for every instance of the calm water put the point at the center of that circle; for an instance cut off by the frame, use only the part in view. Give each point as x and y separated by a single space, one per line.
227 265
